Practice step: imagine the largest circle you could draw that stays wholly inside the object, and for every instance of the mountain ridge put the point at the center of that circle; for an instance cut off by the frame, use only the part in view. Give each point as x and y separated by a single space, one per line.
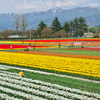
92 16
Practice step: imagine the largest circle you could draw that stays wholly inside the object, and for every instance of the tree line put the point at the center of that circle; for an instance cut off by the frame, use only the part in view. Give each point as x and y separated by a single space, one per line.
77 27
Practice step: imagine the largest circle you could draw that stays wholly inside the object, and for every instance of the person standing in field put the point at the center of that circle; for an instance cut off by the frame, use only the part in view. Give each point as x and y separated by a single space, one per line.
34 46
11 47
88 43
35 41
59 45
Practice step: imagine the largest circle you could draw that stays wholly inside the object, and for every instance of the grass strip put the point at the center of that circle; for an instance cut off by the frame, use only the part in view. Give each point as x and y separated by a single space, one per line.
77 52
57 72
73 83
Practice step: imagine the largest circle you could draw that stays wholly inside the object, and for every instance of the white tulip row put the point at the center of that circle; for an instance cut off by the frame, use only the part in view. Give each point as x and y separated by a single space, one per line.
33 91
44 88
55 86
10 73
47 73
3 68
7 97
25 95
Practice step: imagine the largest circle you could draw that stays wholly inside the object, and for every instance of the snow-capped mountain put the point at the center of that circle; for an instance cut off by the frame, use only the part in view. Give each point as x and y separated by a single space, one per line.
92 16
55 10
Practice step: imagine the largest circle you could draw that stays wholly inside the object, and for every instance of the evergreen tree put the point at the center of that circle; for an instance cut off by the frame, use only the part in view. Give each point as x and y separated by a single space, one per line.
66 26
56 25
76 26
83 27
41 26
71 28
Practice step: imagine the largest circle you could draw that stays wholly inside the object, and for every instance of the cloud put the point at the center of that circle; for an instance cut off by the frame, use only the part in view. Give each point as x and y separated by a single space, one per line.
93 5
50 4
59 3
66 3
41 5
25 5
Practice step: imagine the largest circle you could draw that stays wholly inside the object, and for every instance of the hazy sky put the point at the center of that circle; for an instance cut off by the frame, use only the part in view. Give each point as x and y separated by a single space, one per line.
24 6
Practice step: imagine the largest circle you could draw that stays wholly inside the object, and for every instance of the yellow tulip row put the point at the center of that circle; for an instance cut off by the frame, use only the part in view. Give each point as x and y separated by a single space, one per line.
88 67
8 42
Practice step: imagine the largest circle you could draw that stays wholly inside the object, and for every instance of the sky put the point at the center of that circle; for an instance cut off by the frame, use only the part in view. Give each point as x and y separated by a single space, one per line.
25 6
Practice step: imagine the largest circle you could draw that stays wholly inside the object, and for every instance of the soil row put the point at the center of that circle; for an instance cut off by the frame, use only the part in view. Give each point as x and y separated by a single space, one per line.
61 55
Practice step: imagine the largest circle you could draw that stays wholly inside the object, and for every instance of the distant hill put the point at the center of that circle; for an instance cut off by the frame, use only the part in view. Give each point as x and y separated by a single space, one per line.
92 16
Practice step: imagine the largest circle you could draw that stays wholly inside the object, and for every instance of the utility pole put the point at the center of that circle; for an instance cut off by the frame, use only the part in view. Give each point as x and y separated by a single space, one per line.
30 34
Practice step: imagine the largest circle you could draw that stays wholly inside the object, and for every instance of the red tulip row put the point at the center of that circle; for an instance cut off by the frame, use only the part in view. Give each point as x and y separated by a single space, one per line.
63 40
9 46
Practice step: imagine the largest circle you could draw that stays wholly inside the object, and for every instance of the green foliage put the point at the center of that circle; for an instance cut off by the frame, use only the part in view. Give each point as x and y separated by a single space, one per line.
41 26
66 26
56 25
76 27
71 28
96 35
94 29
82 26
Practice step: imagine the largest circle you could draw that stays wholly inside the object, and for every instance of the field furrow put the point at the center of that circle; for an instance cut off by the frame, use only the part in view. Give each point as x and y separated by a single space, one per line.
38 89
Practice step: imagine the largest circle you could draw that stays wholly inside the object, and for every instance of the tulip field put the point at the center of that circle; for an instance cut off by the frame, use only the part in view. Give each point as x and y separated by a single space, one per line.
50 72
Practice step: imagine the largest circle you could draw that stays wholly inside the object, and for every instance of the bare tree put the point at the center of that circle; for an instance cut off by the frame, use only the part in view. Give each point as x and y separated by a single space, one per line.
46 32
16 22
24 22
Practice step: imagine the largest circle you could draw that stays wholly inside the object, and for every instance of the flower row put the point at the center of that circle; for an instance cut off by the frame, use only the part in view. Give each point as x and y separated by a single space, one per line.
4 67
61 40
58 89
7 97
88 67
12 46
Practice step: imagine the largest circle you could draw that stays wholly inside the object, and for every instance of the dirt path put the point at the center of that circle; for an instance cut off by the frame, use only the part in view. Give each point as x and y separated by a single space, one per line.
61 55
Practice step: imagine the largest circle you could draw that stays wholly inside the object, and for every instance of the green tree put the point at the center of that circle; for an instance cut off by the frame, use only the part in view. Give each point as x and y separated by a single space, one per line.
41 26
92 29
56 25
71 28
83 27
66 26
95 29
76 26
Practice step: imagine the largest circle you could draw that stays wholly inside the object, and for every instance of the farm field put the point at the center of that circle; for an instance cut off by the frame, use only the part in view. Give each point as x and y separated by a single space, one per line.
51 72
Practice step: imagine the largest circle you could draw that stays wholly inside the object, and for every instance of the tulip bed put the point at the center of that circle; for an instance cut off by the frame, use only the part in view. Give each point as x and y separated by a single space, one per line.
40 85
61 40
47 43
51 73
7 46
44 52
88 67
